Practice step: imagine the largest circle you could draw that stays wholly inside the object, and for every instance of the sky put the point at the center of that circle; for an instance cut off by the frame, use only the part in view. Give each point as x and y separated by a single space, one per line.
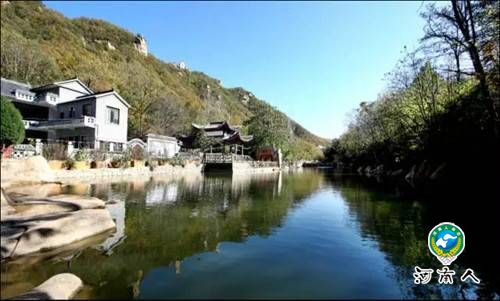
314 61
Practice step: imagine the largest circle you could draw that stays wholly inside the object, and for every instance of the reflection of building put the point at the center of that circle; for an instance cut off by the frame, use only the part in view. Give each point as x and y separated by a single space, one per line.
117 211
162 193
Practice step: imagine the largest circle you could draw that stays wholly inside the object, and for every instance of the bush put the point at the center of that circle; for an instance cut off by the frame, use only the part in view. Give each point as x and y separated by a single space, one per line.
82 155
12 126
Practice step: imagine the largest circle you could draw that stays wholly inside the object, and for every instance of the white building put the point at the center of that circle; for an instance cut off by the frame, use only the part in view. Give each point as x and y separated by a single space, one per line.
70 111
157 145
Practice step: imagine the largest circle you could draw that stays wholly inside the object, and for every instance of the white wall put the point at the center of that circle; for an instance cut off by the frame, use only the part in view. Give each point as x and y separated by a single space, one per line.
74 85
107 131
68 95
161 147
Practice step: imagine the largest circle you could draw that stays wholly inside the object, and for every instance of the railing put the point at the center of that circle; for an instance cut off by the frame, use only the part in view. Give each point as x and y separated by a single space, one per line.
225 158
84 121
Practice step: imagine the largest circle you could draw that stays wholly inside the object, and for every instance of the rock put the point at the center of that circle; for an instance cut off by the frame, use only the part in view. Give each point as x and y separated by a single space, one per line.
410 176
397 173
28 235
423 170
141 45
40 190
29 207
29 170
379 170
360 170
439 172
110 46
368 171
60 286
6 205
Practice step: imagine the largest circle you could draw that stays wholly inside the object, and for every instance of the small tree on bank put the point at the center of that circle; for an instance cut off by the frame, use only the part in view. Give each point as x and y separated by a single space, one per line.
12 127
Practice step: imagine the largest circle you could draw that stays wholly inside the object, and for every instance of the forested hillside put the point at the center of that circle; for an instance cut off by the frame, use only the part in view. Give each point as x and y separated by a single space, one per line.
439 116
40 45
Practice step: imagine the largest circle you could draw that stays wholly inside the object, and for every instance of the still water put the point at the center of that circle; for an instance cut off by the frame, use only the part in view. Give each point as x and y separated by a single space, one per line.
300 235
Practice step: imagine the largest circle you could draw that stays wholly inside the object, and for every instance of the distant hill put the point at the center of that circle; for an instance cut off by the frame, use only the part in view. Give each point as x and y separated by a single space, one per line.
40 45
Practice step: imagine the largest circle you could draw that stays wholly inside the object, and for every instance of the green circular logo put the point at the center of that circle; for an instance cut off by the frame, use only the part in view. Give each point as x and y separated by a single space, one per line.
446 241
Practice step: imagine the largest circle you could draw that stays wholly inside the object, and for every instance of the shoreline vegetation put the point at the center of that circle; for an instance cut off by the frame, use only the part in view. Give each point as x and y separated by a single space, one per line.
436 125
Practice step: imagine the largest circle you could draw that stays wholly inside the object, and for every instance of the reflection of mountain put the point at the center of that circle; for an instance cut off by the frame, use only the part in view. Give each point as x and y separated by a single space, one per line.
400 229
201 213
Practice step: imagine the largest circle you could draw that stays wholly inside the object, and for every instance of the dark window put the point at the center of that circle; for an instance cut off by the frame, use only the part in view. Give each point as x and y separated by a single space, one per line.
113 115
87 110
61 115
71 112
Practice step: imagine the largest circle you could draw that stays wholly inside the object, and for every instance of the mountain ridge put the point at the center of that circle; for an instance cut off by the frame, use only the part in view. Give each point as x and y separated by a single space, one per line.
165 97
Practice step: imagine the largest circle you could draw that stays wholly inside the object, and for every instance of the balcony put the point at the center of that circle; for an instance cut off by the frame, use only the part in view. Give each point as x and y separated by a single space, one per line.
84 121
49 98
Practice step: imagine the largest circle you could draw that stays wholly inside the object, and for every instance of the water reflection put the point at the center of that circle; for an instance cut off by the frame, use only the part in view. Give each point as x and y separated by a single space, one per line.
275 235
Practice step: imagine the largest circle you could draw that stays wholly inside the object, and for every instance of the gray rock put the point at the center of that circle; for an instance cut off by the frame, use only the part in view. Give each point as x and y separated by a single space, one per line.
410 176
60 286
439 172
397 173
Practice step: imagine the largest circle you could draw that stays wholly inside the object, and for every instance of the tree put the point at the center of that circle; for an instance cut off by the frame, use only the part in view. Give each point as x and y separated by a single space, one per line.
202 141
269 127
474 28
166 116
12 126
23 60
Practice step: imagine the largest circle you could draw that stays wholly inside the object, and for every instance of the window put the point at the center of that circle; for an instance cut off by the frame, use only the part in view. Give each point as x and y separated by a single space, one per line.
71 112
118 147
113 115
87 110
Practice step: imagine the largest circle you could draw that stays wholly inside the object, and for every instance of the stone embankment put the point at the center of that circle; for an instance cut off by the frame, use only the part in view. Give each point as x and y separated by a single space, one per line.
90 174
36 170
422 176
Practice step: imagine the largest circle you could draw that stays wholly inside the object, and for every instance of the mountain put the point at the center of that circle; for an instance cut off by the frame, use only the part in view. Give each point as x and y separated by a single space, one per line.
40 45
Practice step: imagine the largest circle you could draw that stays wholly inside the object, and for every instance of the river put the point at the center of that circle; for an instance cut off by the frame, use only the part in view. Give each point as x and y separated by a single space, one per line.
307 234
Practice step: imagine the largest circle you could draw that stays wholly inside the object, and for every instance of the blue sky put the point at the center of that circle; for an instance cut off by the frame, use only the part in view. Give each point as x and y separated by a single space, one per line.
315 61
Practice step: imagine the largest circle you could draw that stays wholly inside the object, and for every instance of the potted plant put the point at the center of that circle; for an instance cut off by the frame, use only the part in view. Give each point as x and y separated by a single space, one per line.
137 157
98 158
55 153
69 163
81 160
121 161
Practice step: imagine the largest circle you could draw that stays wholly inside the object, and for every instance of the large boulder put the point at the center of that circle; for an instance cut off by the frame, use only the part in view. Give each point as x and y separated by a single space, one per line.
29 235
29 170
61 286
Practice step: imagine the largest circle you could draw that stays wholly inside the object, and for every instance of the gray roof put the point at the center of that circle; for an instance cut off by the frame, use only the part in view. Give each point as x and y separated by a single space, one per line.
8 87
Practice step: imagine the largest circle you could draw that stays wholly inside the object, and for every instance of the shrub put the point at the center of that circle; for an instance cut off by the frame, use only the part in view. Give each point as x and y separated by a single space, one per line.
12 126
82 155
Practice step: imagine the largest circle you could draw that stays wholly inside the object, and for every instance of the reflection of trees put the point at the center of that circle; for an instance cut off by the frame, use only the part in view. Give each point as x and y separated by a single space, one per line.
400 229
206 211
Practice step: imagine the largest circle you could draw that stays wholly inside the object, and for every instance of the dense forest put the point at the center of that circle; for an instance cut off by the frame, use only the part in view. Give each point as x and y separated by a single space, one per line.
40 45
439 114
